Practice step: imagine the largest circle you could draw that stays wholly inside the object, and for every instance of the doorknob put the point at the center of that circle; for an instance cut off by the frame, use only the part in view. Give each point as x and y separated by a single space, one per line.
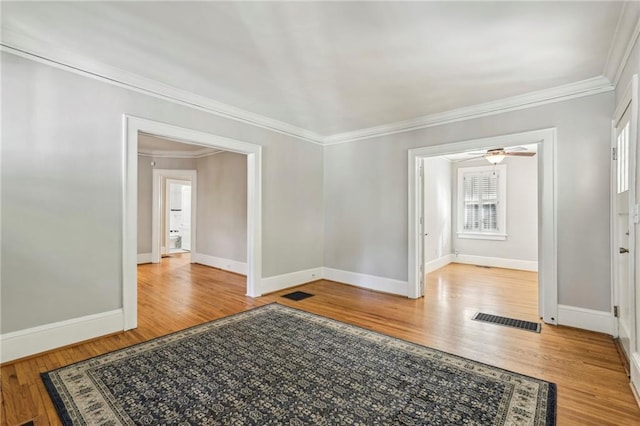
623 250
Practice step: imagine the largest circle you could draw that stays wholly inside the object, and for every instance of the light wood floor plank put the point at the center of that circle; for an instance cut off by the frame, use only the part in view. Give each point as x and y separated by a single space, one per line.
592 386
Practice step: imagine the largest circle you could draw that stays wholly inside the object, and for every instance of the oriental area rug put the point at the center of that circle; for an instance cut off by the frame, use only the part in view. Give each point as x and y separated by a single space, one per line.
279 365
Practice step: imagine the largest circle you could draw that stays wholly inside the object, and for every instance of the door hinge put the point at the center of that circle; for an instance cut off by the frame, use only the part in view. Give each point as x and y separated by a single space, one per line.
420 171
615 311
614 154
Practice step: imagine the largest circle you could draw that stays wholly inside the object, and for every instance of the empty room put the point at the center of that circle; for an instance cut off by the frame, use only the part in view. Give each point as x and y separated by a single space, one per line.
319 213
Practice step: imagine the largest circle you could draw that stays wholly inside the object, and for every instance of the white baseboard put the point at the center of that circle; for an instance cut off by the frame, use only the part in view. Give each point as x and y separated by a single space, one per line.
31 341
635 376
220 263
371 282
587 319
280 282
438 263
144 258
496 262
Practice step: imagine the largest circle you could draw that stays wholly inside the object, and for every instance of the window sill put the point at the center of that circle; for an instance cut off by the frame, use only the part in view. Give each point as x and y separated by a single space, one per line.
482 236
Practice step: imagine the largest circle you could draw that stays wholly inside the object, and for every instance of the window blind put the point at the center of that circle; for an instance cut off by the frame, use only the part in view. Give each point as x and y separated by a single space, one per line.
481 201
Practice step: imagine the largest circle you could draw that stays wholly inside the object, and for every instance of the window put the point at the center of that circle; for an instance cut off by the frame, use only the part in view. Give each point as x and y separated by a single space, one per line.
482 202
623 159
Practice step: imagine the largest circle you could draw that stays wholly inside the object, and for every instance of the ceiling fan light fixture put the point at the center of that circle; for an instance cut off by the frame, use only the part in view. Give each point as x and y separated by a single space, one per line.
495 158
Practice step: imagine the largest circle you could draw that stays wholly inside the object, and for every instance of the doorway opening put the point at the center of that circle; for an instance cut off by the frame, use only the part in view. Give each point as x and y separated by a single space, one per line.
547 268
174 206
481 213
133 128
177 232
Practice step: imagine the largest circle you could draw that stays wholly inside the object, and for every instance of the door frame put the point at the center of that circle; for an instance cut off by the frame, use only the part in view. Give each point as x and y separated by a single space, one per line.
628 100
158 206
547 212
131 127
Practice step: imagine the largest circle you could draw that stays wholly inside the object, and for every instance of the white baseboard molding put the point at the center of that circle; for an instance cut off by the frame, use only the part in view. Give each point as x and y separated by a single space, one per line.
280 282
587 319
635 376
31 341
371 282
438 263
496 262
220 263
144 258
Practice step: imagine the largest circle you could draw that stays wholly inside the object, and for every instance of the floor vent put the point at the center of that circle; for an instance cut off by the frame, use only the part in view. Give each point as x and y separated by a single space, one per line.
508 322
297 295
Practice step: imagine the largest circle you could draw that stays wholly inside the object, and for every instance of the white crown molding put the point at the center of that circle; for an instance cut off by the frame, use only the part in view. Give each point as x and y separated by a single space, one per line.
58 57
204 152
578 89
624 39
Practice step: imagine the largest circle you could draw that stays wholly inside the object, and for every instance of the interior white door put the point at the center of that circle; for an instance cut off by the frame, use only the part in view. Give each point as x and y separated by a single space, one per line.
622 225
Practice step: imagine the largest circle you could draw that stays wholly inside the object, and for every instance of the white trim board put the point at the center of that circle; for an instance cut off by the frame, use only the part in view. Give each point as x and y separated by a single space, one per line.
292 279
438 263
626 36
31 341
220 263
586 319
370 282
578 89
159 208
39 51
144 258
131 127
59 57
496 262
201 153
547 213
634 364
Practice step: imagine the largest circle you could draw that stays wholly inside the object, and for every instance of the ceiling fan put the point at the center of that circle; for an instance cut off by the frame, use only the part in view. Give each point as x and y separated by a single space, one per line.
496 155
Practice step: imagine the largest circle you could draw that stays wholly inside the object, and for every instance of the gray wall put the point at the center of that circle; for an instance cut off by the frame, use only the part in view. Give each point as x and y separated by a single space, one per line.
366 194
522 213
62 191
222 206
438 193
145 192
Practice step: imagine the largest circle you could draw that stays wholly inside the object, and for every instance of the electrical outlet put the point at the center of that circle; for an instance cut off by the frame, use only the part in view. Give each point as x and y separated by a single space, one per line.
457 252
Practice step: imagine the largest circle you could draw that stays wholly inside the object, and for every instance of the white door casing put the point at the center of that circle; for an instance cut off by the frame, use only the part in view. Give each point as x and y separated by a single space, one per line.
622 259
625 207
131 127
547 246
158 207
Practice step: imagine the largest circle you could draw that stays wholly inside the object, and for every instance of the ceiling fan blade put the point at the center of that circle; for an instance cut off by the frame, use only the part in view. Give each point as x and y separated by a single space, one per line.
516 149
521 154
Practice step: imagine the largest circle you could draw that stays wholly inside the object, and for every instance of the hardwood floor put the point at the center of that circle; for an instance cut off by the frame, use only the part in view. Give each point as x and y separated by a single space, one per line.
592 386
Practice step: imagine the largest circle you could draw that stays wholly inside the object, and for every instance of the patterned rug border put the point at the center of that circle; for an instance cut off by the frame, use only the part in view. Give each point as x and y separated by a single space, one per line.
64 416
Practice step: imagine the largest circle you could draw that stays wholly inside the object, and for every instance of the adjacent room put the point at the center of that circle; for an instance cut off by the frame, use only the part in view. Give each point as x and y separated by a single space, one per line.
320 212
481 209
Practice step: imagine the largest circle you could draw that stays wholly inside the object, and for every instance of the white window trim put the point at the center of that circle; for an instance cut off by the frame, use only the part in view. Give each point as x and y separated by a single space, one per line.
502 204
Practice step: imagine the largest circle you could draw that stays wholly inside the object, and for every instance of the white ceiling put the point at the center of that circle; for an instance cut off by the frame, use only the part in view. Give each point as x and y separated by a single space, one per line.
333 67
